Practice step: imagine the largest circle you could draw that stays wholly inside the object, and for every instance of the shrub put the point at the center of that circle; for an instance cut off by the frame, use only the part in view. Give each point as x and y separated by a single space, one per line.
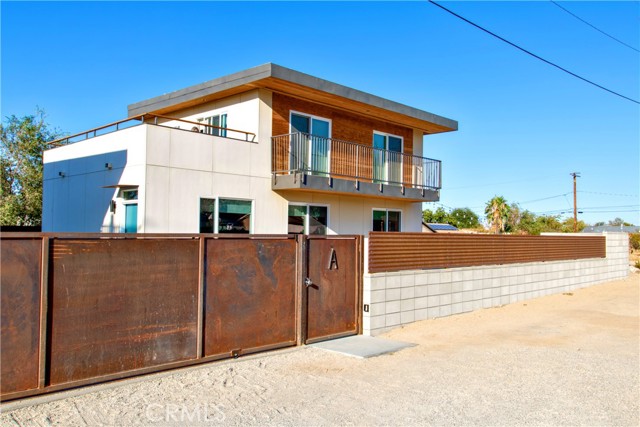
634 241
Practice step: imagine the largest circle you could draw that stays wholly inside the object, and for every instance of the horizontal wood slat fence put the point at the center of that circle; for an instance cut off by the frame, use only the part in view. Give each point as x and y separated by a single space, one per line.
417 251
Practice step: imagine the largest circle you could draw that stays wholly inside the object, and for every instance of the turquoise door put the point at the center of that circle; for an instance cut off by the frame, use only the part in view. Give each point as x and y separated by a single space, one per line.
131 218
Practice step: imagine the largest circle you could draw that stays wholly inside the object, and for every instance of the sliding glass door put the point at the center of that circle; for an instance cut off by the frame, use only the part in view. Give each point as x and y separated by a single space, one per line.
310 151
387 158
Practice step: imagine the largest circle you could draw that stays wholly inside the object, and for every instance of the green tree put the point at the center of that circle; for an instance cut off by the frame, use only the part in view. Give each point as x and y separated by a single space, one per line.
23 141
513 220
463 218
567 225
438 216
549 224
529 223
497 212
618 222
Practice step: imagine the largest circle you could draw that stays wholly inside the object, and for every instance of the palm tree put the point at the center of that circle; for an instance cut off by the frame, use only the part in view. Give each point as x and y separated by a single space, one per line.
497 211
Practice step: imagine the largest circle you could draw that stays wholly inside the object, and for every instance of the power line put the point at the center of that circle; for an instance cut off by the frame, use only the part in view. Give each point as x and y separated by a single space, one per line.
593 26
545 198
492 184
533 54
608 194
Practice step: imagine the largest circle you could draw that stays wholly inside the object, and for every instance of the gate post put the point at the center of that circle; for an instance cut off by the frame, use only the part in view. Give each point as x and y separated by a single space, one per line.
302 257
202 263
44 307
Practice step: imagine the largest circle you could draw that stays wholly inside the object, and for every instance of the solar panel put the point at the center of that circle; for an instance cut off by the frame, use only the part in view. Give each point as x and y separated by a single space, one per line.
442 227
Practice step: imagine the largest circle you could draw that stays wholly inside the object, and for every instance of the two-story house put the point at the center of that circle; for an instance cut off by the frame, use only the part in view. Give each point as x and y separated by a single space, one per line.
268 150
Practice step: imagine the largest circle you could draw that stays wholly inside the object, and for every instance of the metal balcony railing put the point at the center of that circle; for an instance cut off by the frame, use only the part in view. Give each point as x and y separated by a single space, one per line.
315 155
158 120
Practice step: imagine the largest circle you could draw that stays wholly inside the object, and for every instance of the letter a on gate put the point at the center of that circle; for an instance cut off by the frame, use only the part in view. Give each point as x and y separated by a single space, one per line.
333 260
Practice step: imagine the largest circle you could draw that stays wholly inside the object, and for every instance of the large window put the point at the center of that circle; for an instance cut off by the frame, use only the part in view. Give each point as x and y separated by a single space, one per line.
387 164
386 220
219 120
234 216
225 216
308 219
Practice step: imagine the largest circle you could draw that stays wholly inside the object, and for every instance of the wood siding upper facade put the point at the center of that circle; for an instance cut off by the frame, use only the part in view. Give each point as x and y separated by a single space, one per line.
344 125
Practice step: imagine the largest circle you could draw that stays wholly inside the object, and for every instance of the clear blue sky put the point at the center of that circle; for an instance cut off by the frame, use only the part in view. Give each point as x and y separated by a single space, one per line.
524 126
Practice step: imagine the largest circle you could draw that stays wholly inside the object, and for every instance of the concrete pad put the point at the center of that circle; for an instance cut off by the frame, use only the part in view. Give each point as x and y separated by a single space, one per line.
363 346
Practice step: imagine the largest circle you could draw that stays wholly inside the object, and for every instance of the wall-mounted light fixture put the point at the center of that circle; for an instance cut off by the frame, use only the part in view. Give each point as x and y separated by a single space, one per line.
61 174
108 166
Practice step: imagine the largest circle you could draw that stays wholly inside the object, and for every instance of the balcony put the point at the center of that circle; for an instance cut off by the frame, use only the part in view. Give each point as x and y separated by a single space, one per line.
304 162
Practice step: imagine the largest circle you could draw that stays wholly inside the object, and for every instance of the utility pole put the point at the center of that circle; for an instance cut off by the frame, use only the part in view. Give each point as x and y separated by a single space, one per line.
575 201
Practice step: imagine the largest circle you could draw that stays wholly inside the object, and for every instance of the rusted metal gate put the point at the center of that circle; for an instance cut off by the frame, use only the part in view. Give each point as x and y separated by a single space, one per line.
120 306
79 309
21 296
333 297
251 295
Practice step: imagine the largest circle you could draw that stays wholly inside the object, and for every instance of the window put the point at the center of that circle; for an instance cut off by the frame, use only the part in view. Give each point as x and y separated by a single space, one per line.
307 219
225 216
387 165
129 194
386 220
207 215
220 120
234 216
310 151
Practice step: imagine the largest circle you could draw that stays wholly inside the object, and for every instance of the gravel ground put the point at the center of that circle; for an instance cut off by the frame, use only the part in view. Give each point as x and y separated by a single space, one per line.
570 359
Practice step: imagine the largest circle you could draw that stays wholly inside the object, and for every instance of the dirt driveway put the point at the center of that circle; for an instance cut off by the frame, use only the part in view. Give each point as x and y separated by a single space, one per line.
558 360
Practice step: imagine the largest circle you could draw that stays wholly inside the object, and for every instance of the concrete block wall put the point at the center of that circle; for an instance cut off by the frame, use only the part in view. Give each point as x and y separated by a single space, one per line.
399 298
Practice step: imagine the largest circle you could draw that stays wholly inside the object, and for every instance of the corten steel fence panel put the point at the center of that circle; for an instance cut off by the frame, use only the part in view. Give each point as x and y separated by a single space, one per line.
250 295
415 251
333 291
120 305
20 274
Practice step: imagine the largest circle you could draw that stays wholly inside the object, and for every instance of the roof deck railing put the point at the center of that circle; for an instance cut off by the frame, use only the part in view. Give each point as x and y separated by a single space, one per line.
315 155
153 119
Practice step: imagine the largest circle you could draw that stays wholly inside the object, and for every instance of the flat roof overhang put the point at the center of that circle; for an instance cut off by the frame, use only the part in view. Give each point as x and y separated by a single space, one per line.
294 83
347 187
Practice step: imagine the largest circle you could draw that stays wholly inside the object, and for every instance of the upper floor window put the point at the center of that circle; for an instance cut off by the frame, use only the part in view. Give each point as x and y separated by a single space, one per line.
386 141
386 220
220 121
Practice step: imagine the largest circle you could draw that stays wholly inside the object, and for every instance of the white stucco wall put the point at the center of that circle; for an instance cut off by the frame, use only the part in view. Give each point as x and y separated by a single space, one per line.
242 114
79 200
399 298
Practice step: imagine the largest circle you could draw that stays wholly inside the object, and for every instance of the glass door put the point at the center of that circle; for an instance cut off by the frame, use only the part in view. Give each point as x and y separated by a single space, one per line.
387 158
131 218
319 146
299 150
379 169
310 148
